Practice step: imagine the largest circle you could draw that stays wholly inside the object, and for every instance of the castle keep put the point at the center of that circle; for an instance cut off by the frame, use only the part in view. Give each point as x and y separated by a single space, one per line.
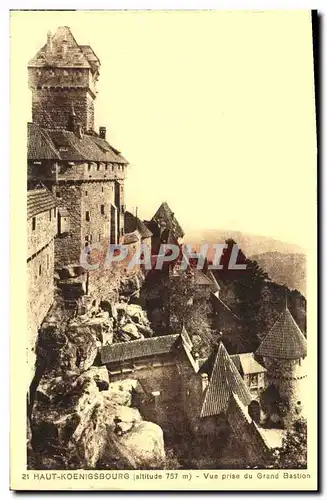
82 170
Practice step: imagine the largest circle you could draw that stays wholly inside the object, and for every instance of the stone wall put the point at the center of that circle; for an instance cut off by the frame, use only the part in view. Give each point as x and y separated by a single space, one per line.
89 211
41 229
156 375
40 271
52 108
68 244
290 379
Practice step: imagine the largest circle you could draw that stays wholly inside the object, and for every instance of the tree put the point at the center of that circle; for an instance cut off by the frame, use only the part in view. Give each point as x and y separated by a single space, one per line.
293 452
188 306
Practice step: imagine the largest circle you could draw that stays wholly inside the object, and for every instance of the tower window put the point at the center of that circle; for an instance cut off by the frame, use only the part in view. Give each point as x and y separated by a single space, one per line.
50 215
55 212
98 166
33 223
85 193
99 236
87 216
102 189
40 270
102 209
47 261
89 167
106 167
58 193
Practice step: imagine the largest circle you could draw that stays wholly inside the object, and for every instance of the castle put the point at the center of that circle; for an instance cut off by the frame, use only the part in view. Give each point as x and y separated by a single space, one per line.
76 198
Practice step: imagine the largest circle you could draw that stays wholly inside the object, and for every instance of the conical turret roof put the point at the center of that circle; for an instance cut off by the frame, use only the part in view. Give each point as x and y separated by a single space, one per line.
225 381
285 340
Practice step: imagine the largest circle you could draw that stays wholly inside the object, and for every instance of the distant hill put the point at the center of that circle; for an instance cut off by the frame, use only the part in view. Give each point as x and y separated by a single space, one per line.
285 269
250 244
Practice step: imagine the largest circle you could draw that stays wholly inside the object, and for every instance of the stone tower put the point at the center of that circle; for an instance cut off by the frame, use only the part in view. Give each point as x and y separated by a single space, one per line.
284 350
63 75
84 172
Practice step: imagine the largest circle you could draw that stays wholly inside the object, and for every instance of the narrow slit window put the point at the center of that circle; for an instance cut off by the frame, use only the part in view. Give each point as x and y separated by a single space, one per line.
102 209
87 216
33 223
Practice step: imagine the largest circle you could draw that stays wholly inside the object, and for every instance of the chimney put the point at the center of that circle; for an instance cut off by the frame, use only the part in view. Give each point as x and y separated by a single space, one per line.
102 132
49 43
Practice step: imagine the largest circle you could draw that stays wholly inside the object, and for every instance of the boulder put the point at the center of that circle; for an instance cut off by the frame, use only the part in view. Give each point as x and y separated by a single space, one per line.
68 422
142 445
120 392
73 349
131 330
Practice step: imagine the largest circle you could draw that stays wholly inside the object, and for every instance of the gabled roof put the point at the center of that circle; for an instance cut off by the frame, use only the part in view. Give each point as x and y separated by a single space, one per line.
134 349
246 363
166 219
49 144
224 381
91 56
285 340
73 57
39 200
133 223
220 304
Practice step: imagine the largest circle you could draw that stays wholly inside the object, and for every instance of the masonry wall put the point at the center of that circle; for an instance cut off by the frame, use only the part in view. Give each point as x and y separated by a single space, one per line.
45 228
68 243
158 373
40 279
52 108
290 378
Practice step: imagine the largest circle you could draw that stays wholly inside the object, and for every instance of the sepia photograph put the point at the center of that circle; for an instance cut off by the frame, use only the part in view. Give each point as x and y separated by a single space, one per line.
168 326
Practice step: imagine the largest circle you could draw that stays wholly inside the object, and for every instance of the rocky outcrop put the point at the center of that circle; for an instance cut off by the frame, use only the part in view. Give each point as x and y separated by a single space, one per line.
68 423
140 447
79 420
72 348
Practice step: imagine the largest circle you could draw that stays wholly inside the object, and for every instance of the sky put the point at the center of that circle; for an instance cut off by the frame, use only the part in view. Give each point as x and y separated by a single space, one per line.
214 110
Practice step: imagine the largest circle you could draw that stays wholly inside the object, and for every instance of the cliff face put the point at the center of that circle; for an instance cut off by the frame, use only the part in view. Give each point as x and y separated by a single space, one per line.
77 419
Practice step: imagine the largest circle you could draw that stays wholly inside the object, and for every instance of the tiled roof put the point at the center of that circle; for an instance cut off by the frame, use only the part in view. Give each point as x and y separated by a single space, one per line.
74 56
285 340
40 145
218 303
215 283
39 200
138 348
246 363
224 381
90 56
165 218
133 223
186 338
51 144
